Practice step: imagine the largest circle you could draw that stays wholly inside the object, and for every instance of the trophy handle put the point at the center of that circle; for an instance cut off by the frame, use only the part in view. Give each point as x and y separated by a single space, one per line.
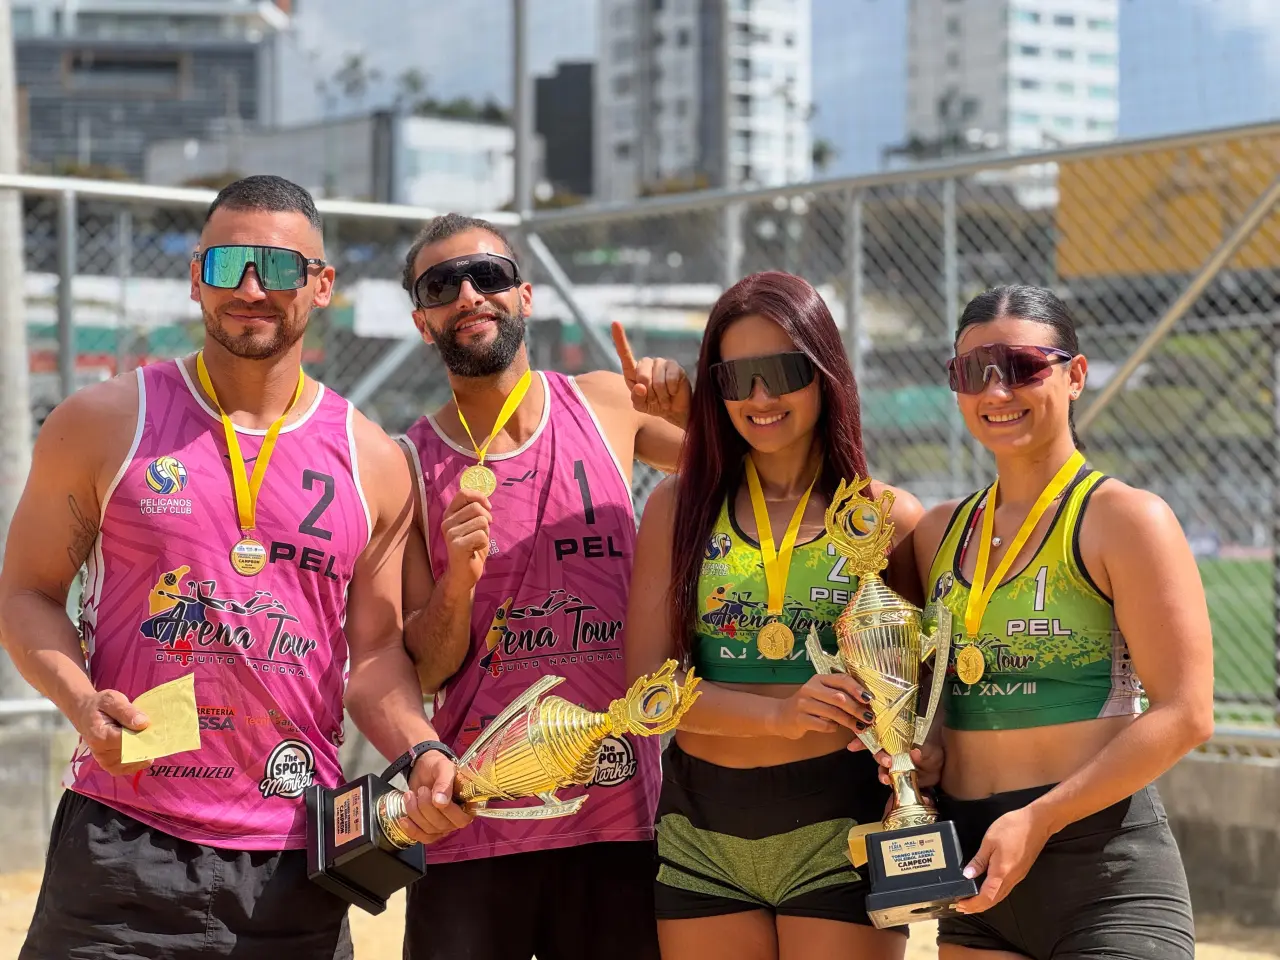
937 643
823 663
550 808
500 722
826 664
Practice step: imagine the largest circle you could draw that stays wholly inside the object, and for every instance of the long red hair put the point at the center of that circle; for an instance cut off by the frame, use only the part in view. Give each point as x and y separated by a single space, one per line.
711 459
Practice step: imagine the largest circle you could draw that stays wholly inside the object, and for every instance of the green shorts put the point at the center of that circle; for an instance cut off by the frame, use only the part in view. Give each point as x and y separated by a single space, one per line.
765 838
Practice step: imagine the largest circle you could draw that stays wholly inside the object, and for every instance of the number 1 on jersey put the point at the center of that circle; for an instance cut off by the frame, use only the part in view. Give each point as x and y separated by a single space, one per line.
580 472
1042 578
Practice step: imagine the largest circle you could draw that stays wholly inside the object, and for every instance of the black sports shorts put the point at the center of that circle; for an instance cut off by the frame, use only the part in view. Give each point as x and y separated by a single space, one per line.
589 902
114 887
1111 885
764 838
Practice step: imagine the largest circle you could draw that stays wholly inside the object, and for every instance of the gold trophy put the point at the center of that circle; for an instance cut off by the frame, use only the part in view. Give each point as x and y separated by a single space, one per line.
915 862
538 745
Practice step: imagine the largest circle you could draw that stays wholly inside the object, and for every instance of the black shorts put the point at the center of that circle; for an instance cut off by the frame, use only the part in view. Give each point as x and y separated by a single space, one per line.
115 887
764 838
1111 885
577 903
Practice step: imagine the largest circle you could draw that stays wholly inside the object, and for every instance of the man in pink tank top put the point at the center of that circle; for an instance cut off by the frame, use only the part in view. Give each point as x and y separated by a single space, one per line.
528 580
244 525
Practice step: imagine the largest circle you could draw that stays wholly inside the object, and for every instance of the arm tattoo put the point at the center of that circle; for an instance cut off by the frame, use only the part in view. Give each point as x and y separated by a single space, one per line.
84 532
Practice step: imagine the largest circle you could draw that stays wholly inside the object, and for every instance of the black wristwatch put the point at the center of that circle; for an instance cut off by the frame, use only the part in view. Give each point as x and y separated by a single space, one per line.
404 763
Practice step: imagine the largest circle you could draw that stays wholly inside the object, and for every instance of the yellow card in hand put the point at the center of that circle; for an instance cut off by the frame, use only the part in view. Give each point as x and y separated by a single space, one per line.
174 728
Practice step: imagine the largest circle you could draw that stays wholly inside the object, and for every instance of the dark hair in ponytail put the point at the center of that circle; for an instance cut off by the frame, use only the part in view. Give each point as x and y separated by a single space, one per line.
1027 303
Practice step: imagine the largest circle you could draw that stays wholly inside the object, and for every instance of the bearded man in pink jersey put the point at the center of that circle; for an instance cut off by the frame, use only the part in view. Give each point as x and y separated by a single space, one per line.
520 569
278 589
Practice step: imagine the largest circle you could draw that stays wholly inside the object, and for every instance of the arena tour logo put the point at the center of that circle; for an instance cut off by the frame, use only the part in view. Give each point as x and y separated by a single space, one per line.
289 770
519 637
191 623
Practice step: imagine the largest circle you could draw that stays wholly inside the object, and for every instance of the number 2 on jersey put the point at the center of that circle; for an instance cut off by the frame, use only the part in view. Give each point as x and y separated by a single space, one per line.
308 526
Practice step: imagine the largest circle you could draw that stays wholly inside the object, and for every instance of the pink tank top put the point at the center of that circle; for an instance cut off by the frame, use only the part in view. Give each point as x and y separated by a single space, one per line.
552 600
268 651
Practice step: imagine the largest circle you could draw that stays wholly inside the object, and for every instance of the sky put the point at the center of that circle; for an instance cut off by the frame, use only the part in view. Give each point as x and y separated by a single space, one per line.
1184 64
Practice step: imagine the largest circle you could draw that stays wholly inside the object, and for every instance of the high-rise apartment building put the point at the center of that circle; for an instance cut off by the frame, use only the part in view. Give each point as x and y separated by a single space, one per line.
100 79
699 93
1013 75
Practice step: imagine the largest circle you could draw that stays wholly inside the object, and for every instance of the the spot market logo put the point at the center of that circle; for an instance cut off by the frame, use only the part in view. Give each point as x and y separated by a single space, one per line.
616 763
288 771
165 476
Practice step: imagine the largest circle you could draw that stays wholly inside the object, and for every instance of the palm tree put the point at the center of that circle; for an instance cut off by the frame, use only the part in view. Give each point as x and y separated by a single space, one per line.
824 151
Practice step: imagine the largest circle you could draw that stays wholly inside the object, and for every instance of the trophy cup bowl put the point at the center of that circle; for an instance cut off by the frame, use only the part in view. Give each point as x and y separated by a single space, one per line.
541 744
914 860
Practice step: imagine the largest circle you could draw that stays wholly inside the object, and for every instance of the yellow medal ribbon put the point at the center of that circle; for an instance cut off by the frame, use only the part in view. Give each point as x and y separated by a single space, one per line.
479 477
248 556
775 639
983 589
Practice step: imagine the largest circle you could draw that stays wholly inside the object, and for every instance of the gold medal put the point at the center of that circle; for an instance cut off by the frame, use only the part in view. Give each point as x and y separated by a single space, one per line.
480 478
970 663
248 557
775 641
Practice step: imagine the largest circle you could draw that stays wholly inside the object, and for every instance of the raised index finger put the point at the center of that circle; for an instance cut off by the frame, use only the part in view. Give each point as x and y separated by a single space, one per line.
624 350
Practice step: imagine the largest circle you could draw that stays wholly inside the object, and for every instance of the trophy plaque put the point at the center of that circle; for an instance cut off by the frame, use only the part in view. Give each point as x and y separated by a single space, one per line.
356 847
914 860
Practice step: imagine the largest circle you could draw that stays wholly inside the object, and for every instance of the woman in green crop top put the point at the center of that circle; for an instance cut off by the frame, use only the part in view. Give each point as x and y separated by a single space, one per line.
1081 665
762 782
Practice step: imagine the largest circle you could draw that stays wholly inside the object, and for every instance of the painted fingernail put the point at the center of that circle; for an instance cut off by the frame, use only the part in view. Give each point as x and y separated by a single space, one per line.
866 696
859 724
970 873
868 716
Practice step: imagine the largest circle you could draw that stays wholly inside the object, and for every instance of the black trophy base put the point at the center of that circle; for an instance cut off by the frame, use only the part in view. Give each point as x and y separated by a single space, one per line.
916 874
347 853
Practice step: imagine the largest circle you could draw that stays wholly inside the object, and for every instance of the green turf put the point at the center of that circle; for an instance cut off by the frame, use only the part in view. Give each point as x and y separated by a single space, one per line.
1240 606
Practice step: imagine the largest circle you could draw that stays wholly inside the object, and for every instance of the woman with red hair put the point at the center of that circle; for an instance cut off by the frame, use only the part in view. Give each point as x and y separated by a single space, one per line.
765 777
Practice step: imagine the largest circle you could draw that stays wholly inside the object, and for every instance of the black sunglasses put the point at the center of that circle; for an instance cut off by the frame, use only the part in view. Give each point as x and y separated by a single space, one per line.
278 268
440 283
781 373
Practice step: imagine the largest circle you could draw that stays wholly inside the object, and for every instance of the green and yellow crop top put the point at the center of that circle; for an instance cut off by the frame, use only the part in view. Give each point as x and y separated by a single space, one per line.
733 605
1052 650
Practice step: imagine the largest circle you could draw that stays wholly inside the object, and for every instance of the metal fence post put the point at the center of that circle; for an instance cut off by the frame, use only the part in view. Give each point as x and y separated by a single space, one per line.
124 270
68 251
731 223
950 300
1275 515
854 285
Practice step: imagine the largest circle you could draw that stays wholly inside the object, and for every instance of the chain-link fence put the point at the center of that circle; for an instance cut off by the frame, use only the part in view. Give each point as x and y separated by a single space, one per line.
1120 231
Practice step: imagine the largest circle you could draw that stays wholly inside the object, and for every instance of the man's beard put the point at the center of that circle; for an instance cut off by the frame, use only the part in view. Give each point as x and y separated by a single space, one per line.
485 359
255 346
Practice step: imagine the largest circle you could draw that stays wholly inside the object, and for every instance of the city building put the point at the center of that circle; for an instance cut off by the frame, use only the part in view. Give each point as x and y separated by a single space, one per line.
460 165
698 93
564 118
1013 75
100 79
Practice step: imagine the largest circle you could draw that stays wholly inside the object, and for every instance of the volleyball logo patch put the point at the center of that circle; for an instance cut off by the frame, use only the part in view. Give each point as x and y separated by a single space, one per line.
166 475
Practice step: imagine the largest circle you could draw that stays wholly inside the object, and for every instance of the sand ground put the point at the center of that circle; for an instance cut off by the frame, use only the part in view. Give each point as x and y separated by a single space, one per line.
378 938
